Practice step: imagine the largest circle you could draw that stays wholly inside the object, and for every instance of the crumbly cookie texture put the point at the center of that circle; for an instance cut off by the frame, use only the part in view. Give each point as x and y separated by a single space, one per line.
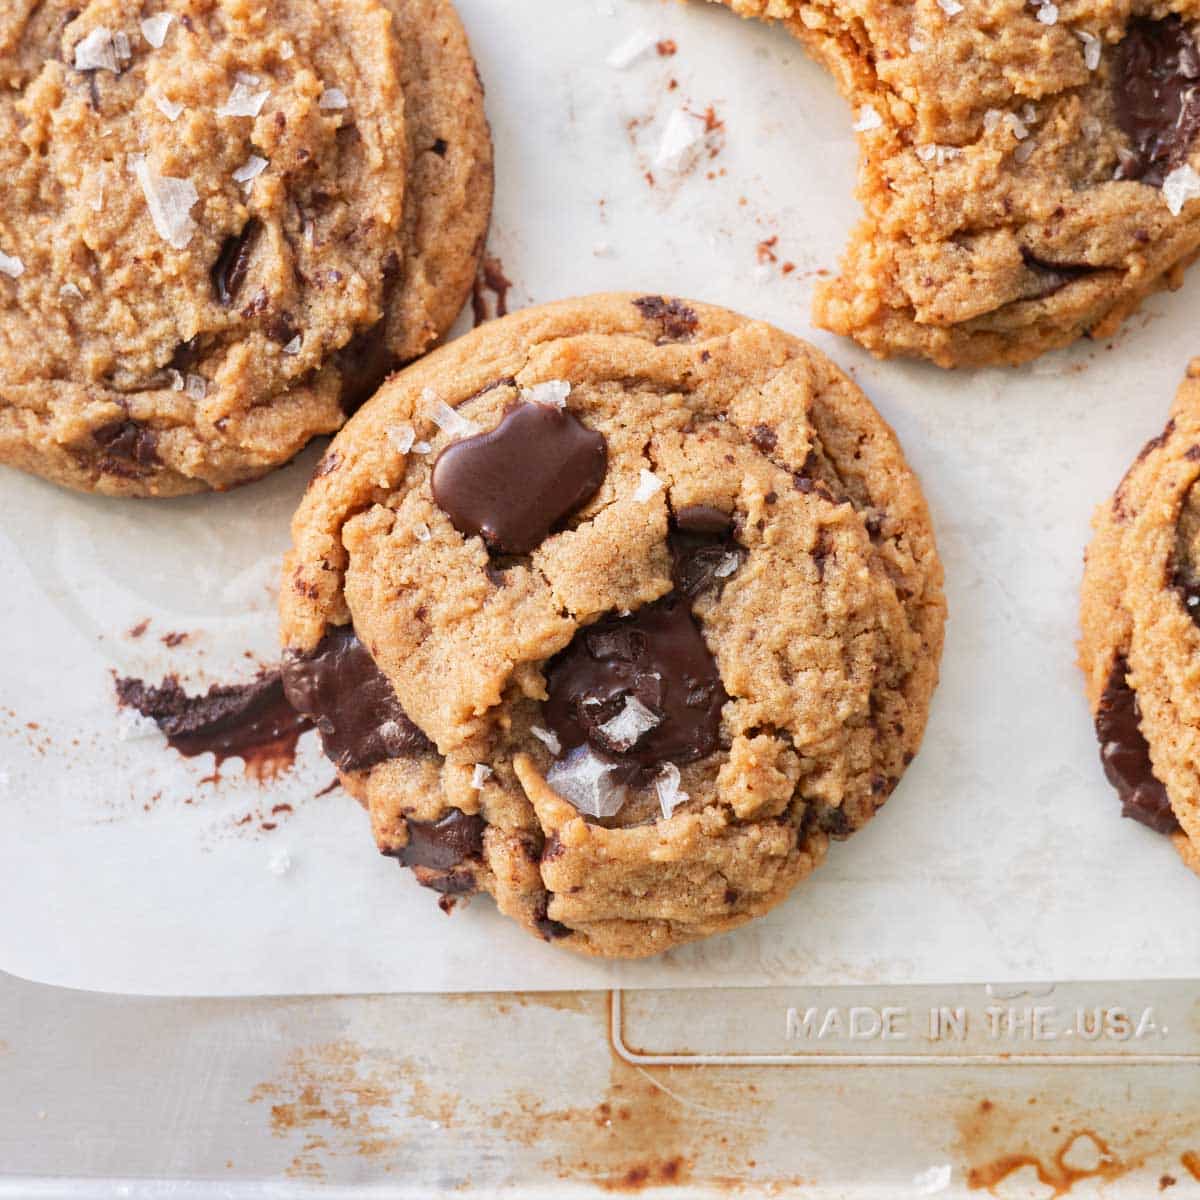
1140 649
646 604
222 223
1028 171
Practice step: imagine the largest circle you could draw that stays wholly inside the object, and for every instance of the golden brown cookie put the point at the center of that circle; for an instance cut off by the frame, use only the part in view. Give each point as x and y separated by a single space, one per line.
222 224
1140 649
1028 170
616 609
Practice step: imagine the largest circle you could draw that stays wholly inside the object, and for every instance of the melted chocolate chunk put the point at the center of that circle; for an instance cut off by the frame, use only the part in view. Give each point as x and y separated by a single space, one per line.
187 354
1126 756
229 271
1156 94
352 702
127 442
678 321
251 721
364 363
514 484
444 843
656 656
701 542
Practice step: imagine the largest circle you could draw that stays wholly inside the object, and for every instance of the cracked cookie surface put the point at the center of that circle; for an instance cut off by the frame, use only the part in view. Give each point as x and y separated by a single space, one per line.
1028 171
655 603
1140 648
222 223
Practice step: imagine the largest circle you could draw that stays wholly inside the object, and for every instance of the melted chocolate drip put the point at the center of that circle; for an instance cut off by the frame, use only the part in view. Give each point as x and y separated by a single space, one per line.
1156 94
701 541
1126 755
229 271
251 721
514 484
658 656
352 703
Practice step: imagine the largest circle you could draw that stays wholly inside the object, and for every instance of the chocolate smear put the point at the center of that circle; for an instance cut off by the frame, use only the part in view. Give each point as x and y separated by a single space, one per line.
1156 96
1126 755
704 552
339 687
514 484
251 721
656 657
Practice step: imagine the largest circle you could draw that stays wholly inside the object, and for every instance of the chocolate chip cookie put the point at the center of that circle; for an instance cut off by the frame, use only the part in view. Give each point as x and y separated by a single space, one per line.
616 609
222 224
1028 168
1140 649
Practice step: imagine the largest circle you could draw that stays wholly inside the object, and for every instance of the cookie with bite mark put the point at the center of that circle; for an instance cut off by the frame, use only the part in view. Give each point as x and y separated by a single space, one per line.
1029 171
1140 647
222 225
617 609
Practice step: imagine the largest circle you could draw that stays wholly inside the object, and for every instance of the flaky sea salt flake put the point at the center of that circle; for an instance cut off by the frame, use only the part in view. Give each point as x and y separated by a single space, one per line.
640 42
918 42
480 776
1092 47
170 202
169 108
548 738
11 266
553 393
254 166
422 447
634 719
648 485
70 292
122 47
422 532
450 422
1018 127
97 52
1180 186
401 438
585 781
293 347
666 784
950 7
154 29
197 387
1024 152
334 98
287 51
177 381
681 141
1048 14
280 863
244 101
726 567
868 119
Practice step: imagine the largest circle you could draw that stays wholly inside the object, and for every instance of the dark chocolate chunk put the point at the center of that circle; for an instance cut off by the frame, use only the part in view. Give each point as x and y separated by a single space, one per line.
352 702
439 147
547 926
443 843
229 271
701 541
127 442
1126 756
1046 278
251 721
1156 95
187 354
656 656
677 320
764 438
514 484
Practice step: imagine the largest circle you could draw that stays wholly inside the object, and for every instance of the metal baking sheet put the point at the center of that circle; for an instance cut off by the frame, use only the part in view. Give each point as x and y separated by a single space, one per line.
1000 857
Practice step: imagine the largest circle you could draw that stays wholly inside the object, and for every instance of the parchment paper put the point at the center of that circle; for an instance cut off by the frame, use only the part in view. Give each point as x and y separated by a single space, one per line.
1001 856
